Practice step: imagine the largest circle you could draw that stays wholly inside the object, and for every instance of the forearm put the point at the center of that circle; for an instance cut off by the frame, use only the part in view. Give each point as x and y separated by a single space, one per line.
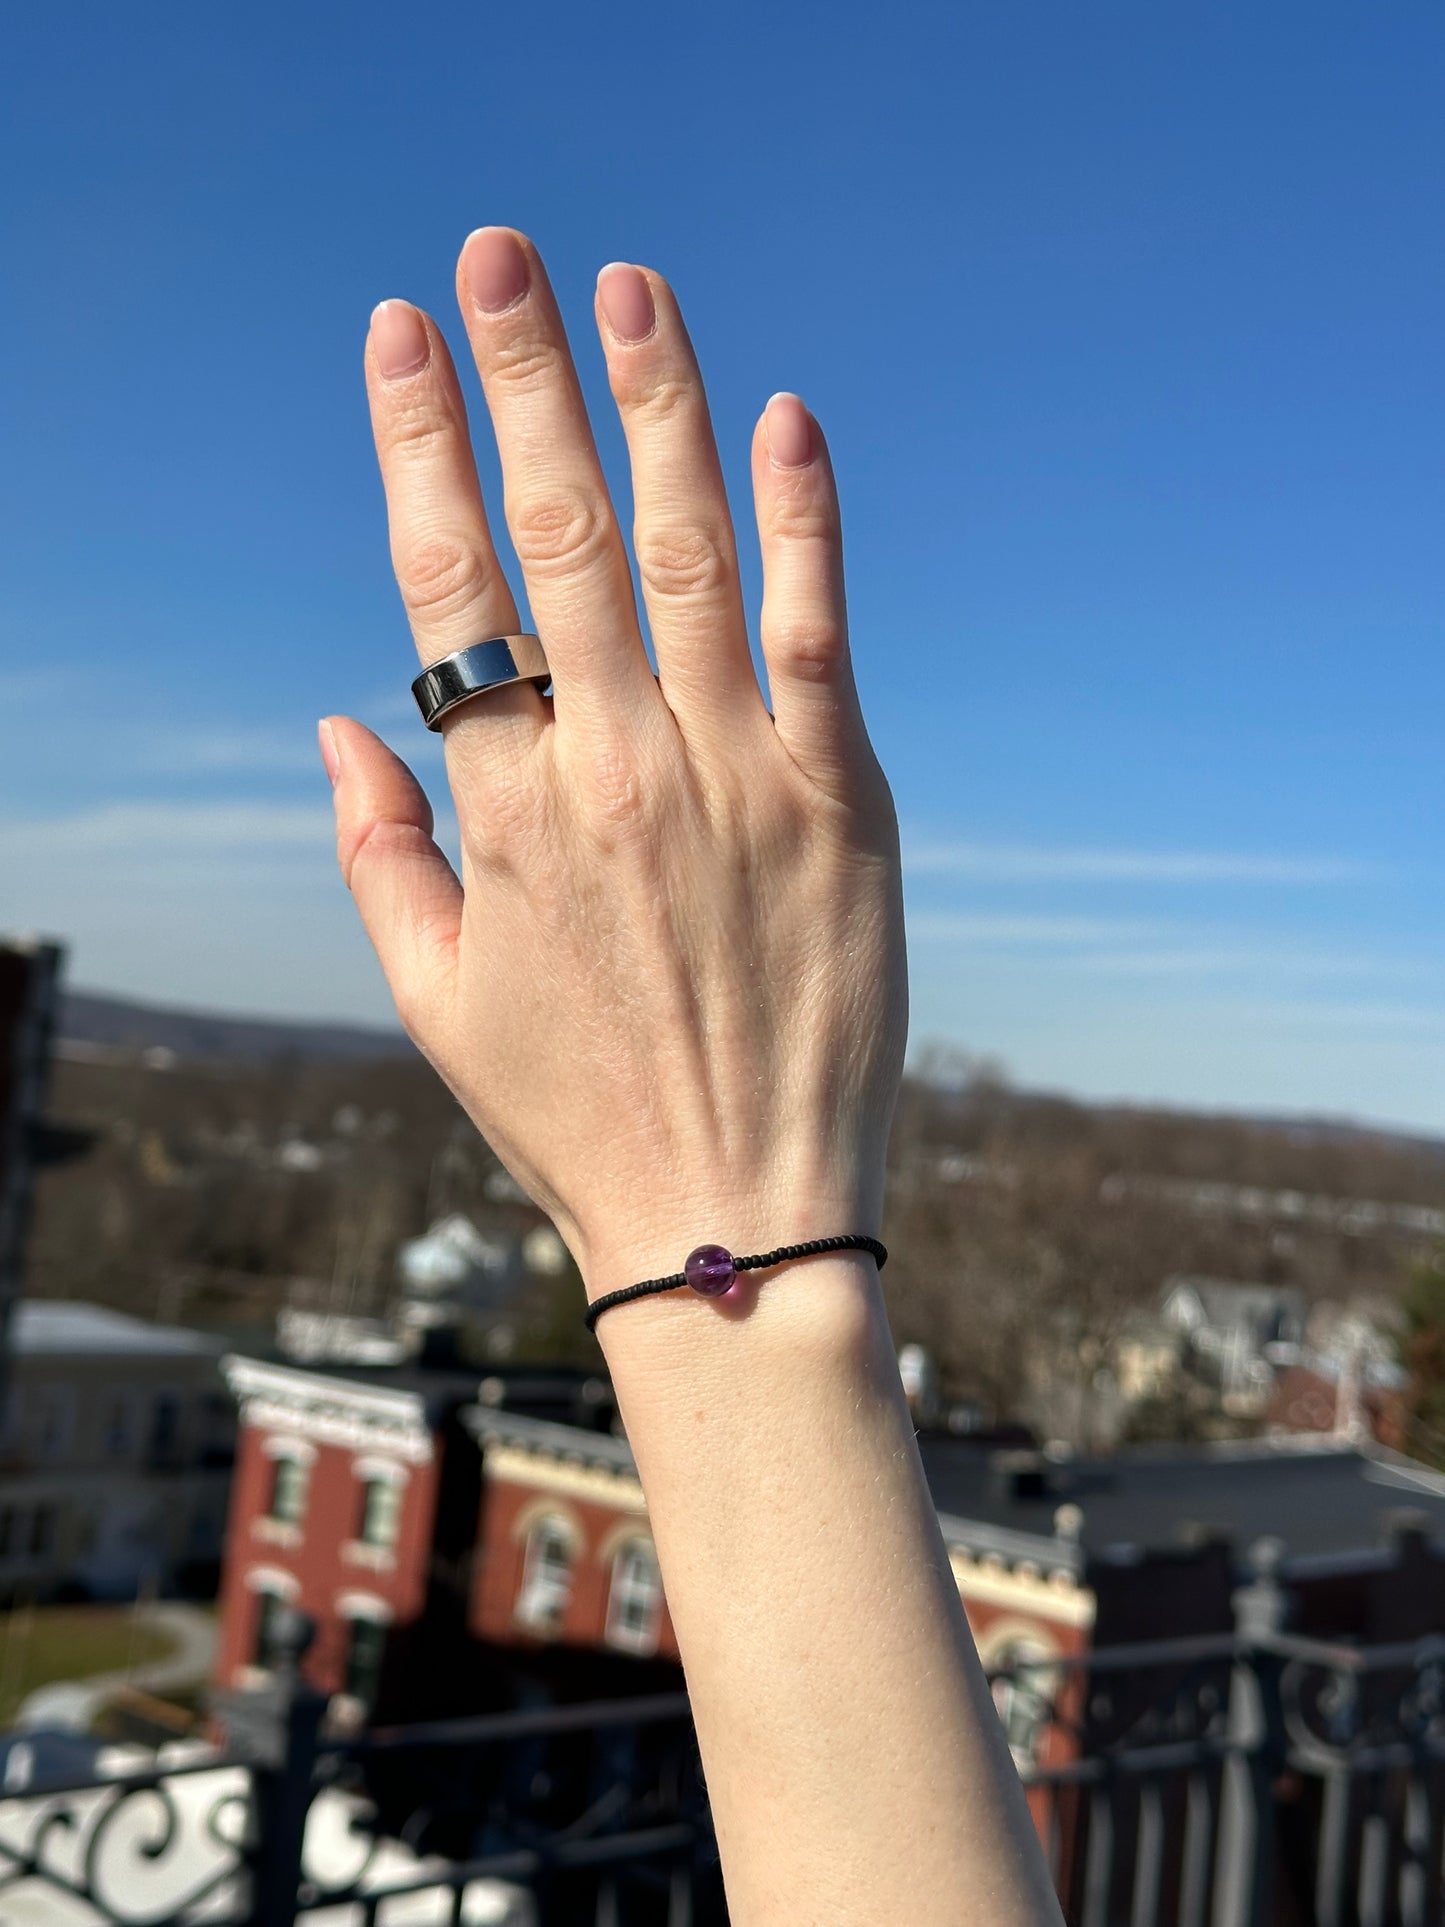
856 1766
674 961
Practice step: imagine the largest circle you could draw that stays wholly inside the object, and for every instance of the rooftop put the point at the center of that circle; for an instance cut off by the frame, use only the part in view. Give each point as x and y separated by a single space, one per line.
1322 1501
583 1400
45 1326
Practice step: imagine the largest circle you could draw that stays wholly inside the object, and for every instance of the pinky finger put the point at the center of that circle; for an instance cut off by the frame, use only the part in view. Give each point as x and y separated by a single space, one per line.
407 892
805 620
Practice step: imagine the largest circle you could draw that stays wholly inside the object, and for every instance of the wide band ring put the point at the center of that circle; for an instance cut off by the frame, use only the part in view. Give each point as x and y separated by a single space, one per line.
474 670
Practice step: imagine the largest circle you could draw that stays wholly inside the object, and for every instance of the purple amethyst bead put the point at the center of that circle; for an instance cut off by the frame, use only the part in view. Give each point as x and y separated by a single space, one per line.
710 1270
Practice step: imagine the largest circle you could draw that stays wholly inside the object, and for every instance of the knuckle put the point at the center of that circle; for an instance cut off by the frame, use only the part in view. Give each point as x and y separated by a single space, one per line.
417 434
524 362
442 575
800 515
682 563
562 532
656 396
506 828
811 646
623 800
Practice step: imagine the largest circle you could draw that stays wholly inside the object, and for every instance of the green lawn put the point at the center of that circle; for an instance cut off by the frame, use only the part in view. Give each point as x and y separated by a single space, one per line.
48 1643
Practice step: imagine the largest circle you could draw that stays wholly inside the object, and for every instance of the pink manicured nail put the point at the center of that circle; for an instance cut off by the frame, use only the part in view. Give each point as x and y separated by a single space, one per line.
326 739
626 301
789 431
400 339
496 268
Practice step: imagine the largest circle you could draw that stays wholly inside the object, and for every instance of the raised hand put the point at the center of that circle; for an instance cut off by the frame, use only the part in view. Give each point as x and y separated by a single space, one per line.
669 986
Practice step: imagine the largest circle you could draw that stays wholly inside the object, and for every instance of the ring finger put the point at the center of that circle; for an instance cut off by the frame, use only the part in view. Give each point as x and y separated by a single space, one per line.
682 530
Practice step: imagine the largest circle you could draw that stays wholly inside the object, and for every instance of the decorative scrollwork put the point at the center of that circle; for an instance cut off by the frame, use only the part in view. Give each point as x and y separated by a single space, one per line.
1091 1707
1334 1712
138 1850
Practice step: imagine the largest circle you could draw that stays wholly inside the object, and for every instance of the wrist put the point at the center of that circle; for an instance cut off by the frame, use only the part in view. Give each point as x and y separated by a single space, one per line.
620 1248
819 1315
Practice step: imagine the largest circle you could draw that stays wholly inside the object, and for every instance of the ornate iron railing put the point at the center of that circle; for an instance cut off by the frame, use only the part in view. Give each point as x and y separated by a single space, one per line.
1255 1779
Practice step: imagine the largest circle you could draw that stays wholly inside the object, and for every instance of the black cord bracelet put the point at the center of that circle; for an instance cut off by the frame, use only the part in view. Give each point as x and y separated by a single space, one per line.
712 1271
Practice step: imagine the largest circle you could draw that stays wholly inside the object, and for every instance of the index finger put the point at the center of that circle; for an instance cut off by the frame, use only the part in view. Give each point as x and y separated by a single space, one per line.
451 581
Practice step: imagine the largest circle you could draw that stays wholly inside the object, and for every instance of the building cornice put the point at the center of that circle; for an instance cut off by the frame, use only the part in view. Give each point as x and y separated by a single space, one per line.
569 1442
980 1540
331 1410
566 1478
1021 1572
1025 1588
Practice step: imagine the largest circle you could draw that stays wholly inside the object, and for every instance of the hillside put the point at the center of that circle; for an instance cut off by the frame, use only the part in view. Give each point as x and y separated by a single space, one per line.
209 1169
111 1023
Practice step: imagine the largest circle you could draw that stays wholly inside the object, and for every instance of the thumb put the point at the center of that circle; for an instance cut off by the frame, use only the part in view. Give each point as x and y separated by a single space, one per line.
407 892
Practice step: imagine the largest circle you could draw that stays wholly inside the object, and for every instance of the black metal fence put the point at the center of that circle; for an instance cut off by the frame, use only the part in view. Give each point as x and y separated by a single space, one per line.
1249 1779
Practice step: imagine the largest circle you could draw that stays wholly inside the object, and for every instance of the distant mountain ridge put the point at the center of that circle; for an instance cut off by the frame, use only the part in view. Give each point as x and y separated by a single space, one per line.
95 1022
116 1024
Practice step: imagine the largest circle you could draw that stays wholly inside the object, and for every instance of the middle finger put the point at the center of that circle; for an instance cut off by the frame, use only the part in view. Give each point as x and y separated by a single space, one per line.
558 509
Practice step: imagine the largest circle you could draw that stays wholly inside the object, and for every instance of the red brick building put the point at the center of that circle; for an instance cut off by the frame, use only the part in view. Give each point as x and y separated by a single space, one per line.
457 1552
451 1549
565 1556
355 1501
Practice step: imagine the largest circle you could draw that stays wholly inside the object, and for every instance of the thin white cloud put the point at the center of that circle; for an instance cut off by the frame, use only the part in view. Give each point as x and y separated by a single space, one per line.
1259 961
983 931
216 752
141 828
1021 863
1101 948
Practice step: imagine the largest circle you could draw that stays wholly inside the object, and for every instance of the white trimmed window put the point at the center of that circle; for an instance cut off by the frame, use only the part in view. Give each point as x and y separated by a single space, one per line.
380 1512
546 1575
273 1591
271 1605
634 1604
365 1652
290 1476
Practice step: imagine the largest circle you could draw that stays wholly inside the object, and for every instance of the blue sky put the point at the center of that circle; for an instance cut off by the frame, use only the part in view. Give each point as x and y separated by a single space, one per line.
1125 322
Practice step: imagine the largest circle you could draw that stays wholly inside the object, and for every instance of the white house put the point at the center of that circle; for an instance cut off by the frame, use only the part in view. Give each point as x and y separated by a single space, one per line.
115 1448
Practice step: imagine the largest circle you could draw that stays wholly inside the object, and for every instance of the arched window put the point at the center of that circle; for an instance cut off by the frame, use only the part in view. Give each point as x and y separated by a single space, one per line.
546 1575
634 1604
1024 1695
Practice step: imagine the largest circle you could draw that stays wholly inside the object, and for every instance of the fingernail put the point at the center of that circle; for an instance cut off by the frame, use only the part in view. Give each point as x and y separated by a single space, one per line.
626 301
399 336
496 268
330 756
789 431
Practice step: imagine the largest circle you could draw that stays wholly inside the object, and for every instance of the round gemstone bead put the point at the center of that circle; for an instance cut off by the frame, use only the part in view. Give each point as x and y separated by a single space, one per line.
710 1270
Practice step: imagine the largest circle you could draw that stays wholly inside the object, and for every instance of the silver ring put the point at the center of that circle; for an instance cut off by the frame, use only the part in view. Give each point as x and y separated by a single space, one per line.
472 671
